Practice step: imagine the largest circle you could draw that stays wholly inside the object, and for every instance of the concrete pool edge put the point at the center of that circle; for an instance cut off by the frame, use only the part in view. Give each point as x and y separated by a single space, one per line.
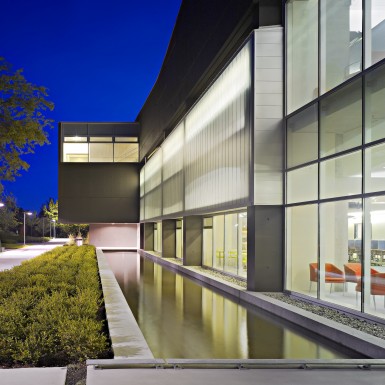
126 337
351 338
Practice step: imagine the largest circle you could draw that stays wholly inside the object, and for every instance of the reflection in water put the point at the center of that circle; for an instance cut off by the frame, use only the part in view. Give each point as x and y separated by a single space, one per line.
181 319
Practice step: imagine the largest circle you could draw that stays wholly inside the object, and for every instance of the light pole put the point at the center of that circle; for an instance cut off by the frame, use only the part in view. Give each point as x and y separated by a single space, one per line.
28 213
1 204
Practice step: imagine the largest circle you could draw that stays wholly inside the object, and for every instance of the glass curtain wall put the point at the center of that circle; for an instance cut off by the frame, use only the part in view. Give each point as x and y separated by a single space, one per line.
374 31
325 40
302 52
335 222
225 243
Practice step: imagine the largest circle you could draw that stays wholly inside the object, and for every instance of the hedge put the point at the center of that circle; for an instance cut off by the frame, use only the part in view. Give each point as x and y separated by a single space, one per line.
51 310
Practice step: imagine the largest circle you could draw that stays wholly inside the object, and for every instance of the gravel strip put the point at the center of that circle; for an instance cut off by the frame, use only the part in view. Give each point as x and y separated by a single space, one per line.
221 276
368 327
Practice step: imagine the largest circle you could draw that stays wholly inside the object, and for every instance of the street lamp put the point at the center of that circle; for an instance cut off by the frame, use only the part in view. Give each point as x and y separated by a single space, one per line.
28 213
1 204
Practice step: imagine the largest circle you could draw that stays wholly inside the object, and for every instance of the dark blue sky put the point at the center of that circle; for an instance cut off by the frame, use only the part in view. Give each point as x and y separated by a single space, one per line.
98 59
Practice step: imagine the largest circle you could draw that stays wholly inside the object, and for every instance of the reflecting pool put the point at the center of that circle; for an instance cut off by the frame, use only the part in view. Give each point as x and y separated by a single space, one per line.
182 319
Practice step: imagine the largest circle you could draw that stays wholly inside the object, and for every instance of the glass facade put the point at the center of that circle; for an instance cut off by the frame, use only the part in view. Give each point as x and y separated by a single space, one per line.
83 149
225 243
327 45
335 151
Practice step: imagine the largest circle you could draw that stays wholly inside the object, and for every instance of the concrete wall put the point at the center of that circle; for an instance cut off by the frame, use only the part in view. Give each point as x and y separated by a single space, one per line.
115 235
265 248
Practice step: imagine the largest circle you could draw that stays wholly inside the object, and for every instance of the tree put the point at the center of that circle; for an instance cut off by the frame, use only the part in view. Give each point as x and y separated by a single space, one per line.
8 215
51 209
23 123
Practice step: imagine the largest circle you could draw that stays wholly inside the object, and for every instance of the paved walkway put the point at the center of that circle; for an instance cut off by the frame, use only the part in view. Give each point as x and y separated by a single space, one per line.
235 376
33 376
11 258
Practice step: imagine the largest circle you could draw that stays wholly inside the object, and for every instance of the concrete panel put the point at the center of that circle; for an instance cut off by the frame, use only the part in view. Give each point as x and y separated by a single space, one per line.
192 240
124 236
265 248
169 238
148 236
268 74
268 50
268 100
266 112
268 62
262 87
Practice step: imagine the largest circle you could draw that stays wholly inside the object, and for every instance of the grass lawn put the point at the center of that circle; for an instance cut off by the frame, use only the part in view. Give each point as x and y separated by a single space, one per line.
13 246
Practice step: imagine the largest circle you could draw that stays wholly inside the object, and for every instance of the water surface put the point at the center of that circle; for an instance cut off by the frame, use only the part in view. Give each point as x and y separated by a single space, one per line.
182 319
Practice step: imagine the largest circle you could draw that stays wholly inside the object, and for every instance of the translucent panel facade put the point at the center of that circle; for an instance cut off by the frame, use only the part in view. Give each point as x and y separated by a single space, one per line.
206 158
217 139
153 186
173 192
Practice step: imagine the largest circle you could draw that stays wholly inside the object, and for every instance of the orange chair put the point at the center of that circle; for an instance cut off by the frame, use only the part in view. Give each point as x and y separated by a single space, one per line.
332 274
353 272
377 286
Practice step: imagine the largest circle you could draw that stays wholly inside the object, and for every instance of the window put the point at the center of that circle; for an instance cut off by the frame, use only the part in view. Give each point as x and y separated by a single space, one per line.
375 31
75 152
374 104
126 152
302 184
341 176
101 152
341 120
341 41
302 52
375 168
301 251
340 251
302 137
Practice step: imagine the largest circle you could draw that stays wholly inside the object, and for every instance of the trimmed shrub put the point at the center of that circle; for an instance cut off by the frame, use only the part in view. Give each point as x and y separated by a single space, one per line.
50 310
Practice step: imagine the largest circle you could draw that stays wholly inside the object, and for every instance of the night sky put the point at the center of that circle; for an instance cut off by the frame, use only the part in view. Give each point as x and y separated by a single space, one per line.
98 59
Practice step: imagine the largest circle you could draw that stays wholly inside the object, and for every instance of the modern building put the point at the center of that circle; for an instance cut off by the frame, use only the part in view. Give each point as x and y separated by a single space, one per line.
260 151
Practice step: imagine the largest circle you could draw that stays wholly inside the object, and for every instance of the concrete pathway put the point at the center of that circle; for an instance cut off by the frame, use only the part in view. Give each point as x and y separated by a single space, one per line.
235 376
33 376
11 258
